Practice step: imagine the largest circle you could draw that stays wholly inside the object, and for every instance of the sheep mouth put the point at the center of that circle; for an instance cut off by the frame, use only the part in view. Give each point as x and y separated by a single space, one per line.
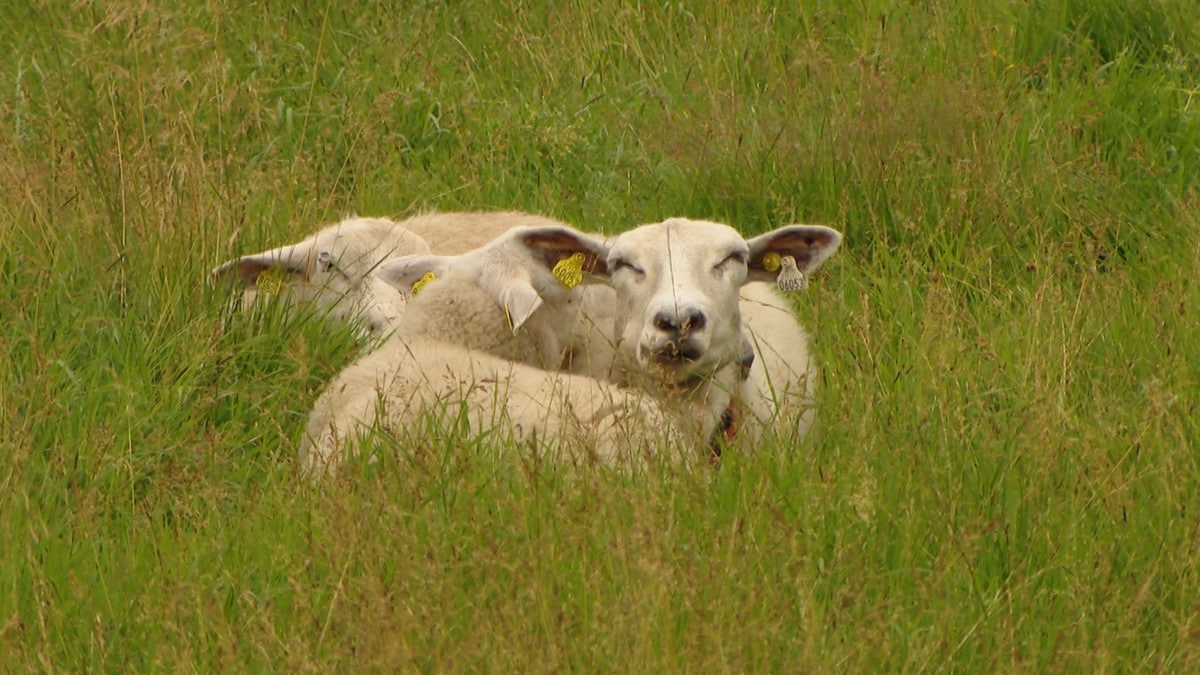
676 364
674 353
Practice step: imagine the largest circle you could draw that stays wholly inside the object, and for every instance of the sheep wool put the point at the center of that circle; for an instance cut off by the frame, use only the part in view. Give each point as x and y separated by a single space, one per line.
460 354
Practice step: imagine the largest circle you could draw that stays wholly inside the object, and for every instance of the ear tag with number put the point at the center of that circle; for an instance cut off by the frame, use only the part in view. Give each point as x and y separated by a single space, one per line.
569 270
790 277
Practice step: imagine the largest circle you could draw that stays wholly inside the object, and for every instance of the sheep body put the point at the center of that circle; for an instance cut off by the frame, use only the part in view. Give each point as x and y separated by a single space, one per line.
778 391
569 415
455 233
460 349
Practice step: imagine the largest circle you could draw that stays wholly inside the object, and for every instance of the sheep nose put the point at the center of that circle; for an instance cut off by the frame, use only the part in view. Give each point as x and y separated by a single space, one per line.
680 323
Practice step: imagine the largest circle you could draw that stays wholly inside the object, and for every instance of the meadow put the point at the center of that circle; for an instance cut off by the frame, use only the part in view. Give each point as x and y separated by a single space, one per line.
1006 472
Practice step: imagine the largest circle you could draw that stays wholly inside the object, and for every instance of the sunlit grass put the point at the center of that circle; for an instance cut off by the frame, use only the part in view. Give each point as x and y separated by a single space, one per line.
1005 474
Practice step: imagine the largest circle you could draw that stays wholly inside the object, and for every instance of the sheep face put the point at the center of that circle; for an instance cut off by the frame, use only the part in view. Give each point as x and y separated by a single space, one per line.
332 269
677 288
677 285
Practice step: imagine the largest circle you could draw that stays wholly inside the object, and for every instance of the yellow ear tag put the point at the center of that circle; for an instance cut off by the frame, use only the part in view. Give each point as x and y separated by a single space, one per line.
420 283
770 261
569 270
790 277
270 281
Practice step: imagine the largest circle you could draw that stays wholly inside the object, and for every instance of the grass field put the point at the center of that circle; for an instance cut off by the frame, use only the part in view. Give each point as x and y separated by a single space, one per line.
1007 474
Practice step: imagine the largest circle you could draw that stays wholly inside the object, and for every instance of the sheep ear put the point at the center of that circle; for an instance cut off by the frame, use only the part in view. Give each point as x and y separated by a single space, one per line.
401 273
520 301
290 260
808 245
552 245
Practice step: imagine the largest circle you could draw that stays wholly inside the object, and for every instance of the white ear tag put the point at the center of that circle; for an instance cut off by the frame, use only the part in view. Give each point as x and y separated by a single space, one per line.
790 277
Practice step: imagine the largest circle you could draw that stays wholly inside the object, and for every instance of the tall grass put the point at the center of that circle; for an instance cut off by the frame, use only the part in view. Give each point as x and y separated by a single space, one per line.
1006 473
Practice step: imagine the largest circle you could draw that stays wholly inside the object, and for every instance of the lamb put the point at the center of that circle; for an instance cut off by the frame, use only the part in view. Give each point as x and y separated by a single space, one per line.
332 268
463 347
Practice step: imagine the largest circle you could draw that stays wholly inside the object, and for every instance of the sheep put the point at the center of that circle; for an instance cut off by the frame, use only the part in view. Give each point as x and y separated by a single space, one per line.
541 314
695 319
546 324
453 351
332 268
694 324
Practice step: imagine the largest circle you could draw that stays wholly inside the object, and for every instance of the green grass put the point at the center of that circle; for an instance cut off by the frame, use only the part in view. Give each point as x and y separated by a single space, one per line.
1006 475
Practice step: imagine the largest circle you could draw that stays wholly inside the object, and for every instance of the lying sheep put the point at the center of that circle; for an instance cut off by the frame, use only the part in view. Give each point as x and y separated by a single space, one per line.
332 271
541 314
332 268
453 351
693 324
688 308
545 324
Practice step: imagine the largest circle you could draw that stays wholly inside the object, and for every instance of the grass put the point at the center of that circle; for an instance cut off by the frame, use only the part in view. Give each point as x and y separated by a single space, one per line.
1006 475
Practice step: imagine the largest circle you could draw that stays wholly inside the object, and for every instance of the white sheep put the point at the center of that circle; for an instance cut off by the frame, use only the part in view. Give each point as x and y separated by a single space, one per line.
695 320
332 269
462 349
544 323
694 323
541 313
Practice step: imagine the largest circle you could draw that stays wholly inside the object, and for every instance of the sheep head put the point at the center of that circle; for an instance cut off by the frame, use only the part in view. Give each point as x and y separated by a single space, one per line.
522 268
677 285
332 269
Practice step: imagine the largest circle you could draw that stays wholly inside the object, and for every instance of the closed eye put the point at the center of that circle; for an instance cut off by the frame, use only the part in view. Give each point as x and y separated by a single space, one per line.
735 258
621 264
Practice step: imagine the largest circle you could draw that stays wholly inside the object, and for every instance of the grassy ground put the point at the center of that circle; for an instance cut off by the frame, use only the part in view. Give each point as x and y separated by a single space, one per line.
1007 473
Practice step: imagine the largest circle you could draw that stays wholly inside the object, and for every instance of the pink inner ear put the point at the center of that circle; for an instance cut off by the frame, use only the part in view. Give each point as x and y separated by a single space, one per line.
808 245
555 244
802 241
